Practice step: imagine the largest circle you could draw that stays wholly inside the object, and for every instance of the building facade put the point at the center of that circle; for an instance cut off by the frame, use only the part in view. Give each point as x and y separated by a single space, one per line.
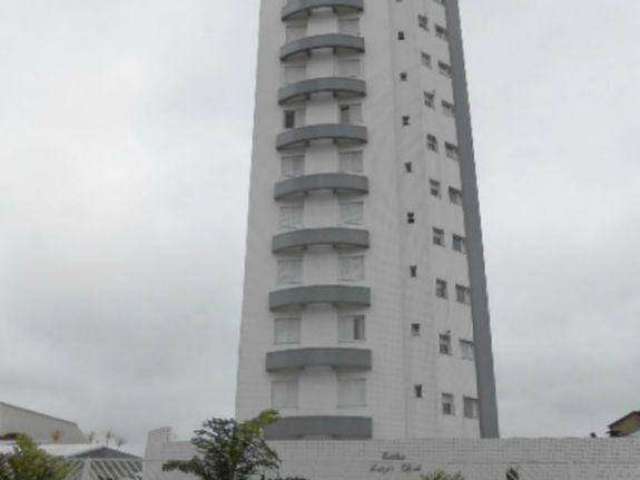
365 311
40 427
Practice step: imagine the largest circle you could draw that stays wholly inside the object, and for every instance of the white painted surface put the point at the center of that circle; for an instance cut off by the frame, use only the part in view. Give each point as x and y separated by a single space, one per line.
40 427
400 360
533 459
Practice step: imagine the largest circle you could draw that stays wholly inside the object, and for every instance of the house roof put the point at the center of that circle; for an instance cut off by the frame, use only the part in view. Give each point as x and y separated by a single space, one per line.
626 417
83 450
33 412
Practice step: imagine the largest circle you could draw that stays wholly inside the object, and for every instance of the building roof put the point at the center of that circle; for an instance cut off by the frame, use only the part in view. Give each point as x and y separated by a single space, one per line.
33 412
623 419
75 451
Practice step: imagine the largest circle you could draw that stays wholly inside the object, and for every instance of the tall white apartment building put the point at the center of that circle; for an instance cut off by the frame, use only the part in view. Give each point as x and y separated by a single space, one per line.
365 309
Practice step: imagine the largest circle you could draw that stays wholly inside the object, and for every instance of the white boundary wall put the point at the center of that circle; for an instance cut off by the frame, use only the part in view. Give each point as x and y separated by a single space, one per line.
533 459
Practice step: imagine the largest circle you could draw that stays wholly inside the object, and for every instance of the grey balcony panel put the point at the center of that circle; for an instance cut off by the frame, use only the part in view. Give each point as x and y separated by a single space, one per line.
340 87
338 182
317 294
295 8
336 41
336 236
338 132
351 358
338 428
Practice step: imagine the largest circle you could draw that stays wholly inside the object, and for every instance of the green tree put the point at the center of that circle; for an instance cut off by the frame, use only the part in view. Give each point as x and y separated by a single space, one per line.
442 475
28 462
230 450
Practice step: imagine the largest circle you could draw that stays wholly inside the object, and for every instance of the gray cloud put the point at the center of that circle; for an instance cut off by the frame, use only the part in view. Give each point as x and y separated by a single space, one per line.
126 130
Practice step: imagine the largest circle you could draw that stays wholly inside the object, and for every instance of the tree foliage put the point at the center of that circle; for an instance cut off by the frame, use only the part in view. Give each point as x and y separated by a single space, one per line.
28 462
230 450
442 475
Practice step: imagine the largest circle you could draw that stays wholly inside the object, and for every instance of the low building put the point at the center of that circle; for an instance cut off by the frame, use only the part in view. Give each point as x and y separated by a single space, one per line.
627 426
489 459
92 462
40 427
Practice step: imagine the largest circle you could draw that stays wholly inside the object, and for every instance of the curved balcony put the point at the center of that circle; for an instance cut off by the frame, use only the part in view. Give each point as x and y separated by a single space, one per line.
338 42
338 86
338 358
330 236
337 182
298 297
338 132
297 8
335 427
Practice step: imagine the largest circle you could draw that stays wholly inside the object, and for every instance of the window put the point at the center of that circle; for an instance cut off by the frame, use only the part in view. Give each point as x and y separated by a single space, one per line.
445 69
429 99
471 408
408 167
284 394
438 237
463 294
425 59
448 406
415 329
401 35
441 32
349 26
351 161
440 2
289 271
351 328
441 288
352 212
406 120
451 151
467 349
455 196
351 268
417 390
295 31
432 143
403 76
512 474
448 108
445 344
349 67
294 118
411 218
292 166
351 114
423 22
286 331
291 216
413 271
352 392
459 244
294 73
436 188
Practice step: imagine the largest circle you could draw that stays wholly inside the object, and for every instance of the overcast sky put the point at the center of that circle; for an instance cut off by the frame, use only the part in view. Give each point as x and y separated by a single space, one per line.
125 131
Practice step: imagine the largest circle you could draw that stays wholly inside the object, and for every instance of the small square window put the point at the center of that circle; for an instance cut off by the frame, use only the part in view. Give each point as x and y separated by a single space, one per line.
471 409
413 270
455 196
438 237
441 32
417 390
406 120
423 22
445 69
467 350
429 99
408 166
403 76
432 143
445 344
459 244
441 288
425 58
435 188
401 35
411 218
463 294
448 108
415 329
451 150
448 406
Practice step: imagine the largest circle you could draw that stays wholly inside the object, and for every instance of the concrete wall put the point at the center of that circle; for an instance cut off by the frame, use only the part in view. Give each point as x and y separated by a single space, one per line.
40 427
533 459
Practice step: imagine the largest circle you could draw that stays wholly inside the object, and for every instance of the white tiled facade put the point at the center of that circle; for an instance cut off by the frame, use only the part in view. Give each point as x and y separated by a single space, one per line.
532 459
402 264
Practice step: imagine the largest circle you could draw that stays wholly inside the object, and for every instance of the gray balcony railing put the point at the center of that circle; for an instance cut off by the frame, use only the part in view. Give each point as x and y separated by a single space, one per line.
296 8
338 132
320 294
335 427
339 42
338 358
337 182
338 86
331 236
